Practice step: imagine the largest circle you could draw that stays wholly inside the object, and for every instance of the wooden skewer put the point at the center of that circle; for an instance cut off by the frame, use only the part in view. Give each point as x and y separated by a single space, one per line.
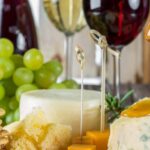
80 55
102 42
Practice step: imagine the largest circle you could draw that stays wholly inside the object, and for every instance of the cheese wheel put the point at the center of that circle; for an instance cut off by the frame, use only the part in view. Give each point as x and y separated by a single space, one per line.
63 106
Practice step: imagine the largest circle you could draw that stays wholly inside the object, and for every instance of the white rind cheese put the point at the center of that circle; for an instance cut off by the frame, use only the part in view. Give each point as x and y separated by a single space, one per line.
63 106
130 134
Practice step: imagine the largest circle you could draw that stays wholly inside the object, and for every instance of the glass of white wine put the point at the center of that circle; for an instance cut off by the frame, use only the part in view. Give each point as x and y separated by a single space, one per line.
68 17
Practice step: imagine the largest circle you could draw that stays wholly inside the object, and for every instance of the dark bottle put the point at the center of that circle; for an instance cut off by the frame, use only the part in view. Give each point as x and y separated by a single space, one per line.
16 24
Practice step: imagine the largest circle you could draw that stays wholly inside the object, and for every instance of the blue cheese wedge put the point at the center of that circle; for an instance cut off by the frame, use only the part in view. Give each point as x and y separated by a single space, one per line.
130 134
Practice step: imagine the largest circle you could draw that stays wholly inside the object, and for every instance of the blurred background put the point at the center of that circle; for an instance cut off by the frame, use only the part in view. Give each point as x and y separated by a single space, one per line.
135 56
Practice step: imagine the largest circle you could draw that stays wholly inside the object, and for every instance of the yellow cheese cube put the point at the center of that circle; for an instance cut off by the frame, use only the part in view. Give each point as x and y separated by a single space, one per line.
82 147
100 139
84 140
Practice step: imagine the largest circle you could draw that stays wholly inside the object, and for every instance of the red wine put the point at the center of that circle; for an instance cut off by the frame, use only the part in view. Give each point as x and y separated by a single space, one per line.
16 24
119 20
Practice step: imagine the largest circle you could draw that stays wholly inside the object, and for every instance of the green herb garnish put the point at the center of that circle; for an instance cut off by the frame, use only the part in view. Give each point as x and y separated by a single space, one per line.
115 106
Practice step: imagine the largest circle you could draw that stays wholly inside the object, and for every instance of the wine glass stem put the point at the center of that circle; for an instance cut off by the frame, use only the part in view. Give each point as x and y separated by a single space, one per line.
69 55
117 76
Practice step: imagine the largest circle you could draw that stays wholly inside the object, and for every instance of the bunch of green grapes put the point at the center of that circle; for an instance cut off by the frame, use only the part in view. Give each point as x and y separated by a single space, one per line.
20 74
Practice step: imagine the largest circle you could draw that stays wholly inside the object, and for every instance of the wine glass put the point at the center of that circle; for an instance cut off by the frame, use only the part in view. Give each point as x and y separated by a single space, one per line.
120 21
68 17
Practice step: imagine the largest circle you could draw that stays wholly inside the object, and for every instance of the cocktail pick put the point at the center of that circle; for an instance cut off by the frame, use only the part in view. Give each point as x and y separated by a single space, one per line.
80 55
102 42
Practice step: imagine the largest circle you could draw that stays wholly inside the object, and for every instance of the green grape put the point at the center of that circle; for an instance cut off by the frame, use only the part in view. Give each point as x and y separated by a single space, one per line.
23 76
55 66
2 70
44 78
24 88
71 84
4 104
33 59
6 68
17 115
10 87
1 73
9 118
57 86
6 48
2 92
13 103
17 60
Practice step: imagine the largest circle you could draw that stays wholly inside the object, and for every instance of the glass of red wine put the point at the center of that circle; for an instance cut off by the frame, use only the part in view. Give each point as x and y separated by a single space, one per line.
120 21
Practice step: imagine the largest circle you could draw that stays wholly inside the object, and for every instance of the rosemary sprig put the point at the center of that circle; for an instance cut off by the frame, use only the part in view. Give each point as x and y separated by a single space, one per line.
115 106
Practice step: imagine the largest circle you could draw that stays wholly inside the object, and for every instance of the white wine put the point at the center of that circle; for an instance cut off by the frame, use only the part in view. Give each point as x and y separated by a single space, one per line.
66 15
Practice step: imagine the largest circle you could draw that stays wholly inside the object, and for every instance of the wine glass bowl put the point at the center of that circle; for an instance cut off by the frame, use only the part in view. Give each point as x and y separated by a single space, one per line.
119 20
67 16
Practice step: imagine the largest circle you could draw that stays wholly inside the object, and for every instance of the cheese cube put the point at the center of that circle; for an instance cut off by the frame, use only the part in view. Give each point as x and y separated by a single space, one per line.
100 139
84 140
82 147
